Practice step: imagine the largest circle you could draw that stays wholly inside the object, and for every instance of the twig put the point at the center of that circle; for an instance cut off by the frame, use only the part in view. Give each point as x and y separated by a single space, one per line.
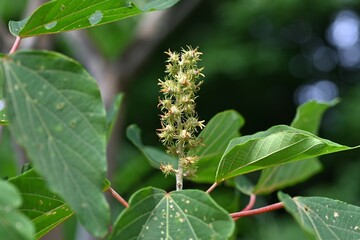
118 197
212 187
15 45
251 203
265 209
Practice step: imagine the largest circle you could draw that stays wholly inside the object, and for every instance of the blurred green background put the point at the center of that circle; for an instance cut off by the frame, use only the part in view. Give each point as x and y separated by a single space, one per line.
261 58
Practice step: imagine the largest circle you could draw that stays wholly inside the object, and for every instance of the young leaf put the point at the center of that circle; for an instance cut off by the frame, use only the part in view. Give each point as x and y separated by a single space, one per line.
43 207
308 118
218 132
113 113
188 214
13 224
278 145
323 217
155 156
65 15
56 114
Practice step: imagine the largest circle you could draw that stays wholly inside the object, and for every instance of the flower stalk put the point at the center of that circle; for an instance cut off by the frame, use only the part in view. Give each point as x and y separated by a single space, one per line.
179 119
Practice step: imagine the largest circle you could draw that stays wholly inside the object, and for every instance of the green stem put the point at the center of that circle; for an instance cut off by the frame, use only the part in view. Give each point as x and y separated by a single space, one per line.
179 178
180 170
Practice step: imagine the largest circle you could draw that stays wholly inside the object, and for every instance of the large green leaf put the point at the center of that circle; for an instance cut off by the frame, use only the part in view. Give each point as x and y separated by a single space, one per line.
216 135
188 214
278 145
155 156
308 118
65 15
56 114
323 217
13 224
43 207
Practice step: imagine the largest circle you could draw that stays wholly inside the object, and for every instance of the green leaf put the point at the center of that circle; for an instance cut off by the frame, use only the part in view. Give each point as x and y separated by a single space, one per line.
56 114
13 224
188 214
155 156
43 207
113 113
221 128
244 185
146 5
308 118
278 145
323 217
281 176
66 15
216 135
106 185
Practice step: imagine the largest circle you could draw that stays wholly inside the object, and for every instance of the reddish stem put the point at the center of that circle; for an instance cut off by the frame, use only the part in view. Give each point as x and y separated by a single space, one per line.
249 206
212 187
15 45
118 197
265 209
251 203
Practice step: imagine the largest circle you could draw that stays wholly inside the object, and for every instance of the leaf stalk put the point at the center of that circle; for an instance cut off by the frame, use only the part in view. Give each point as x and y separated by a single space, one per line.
15 45
118 197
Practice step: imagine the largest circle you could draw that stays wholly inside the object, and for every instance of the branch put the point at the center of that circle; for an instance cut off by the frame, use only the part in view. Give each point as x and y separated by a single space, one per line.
251 203
249 206
270 208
